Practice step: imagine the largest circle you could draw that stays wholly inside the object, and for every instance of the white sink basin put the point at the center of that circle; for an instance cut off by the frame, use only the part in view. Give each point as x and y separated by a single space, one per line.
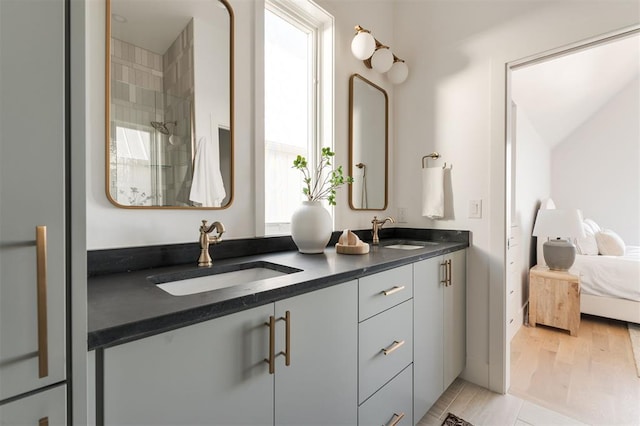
207 279
404 246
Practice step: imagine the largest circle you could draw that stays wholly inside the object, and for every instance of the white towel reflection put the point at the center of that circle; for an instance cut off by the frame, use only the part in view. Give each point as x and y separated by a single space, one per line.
207 187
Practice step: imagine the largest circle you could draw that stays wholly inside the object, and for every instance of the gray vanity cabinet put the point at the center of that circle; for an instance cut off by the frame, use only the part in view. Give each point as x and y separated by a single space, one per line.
320 384
439 326
33 283
43 408
208 373
385 351
215 373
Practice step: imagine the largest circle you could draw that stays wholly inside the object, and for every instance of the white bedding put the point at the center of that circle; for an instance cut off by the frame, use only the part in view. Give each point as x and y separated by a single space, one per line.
613 276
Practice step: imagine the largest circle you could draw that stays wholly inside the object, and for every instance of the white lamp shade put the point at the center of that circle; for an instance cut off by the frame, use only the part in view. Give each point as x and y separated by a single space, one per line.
363 45
382 60
558 223
398 72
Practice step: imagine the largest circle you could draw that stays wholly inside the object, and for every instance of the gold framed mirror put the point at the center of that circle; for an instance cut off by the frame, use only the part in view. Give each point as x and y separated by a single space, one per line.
368 144
169 104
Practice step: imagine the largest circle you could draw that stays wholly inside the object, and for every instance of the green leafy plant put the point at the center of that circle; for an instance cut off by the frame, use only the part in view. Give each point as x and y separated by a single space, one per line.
320 184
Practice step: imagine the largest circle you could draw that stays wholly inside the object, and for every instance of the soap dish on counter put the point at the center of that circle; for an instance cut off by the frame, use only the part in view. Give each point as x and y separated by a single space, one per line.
349 243
362 248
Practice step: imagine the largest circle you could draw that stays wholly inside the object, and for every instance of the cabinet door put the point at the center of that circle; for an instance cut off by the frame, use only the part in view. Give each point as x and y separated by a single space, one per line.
211 373
428 328
320 384
455 337
32 181
45 408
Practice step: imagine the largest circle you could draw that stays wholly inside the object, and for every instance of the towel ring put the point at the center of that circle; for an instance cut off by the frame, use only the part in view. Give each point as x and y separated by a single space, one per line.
434 156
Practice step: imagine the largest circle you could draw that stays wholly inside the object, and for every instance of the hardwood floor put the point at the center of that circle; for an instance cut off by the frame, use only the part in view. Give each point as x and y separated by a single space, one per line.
556 379
590 377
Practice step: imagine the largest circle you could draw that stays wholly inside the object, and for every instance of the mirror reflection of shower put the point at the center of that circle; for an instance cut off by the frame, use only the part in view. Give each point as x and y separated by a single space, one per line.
363 188
163 128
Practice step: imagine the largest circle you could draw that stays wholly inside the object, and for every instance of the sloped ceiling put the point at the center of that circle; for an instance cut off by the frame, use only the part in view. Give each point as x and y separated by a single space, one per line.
560 94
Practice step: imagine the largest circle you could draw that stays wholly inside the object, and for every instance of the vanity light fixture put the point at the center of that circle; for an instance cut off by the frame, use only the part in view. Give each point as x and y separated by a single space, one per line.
378 56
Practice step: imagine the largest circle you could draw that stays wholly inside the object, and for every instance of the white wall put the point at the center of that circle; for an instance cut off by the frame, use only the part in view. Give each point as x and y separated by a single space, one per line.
454 102
533 183
111 227
597 167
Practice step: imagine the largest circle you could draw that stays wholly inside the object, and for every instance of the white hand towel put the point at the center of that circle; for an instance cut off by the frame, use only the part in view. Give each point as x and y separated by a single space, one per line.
207 187
433 192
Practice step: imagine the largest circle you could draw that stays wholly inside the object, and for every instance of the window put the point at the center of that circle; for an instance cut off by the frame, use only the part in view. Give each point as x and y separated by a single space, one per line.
295 121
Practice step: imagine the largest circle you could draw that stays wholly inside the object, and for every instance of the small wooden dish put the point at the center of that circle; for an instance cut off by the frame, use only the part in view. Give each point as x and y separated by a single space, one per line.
359 249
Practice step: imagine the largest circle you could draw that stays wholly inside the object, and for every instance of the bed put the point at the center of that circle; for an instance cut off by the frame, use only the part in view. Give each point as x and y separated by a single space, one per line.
609 272
610 285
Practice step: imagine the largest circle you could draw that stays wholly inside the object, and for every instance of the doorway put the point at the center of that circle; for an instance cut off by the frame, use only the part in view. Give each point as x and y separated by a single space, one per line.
549 98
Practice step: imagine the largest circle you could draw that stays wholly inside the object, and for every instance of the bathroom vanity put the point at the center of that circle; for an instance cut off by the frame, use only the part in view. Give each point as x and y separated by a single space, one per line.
365 339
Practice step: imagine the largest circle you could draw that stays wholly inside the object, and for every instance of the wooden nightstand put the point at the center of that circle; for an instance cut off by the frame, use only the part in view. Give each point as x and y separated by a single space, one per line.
554 299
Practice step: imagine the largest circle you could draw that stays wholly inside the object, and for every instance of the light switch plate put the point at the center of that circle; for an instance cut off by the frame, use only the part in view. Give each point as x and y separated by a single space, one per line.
475 209
402 215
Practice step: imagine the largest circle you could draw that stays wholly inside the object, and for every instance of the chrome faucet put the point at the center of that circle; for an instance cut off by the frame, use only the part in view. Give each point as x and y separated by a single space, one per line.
377 224
206 239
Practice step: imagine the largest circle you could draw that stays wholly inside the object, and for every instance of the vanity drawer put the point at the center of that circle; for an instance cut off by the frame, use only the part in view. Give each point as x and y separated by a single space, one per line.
383 290
394 402
385 347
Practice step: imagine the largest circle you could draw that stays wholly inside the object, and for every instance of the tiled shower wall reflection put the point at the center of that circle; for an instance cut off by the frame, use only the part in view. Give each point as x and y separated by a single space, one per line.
146 87
178 87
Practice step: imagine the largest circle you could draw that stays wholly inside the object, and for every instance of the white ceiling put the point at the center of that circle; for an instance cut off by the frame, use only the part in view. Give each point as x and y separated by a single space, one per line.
155 24
560 94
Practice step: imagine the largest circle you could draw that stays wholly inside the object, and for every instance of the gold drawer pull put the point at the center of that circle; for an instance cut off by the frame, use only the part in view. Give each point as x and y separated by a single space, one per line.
272 344
393 290
287 350
41 278
43 421
445 280
395 345
396 419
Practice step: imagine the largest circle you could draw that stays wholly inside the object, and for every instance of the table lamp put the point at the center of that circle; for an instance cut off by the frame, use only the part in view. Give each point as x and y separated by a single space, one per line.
555 225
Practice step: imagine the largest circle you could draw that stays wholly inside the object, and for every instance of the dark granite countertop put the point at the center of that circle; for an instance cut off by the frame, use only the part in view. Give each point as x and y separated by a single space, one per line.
126 306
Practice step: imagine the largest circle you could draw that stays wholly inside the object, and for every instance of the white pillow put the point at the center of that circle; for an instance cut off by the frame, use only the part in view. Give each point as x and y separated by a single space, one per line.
609 243
587 245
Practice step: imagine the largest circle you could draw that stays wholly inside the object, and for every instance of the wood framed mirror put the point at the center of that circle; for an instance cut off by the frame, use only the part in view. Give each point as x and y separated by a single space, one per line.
368 144
169 103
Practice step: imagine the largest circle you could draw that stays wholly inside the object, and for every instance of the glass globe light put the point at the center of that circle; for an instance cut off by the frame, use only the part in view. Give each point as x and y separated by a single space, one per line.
398 72
382 60
363 45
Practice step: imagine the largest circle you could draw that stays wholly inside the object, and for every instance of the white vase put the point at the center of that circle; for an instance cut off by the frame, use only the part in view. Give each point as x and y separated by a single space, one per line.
311 227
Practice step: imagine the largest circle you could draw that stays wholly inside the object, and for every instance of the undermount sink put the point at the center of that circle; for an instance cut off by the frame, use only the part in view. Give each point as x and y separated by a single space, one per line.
406 244
193 281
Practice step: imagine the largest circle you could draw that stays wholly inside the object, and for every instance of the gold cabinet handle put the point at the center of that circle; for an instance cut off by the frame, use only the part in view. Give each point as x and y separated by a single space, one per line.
287 349
444 281
272 344
41 265
396 419
395 345
449 271
392 290
43 421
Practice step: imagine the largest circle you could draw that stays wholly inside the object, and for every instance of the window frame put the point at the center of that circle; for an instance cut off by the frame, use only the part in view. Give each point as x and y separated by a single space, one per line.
309 17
